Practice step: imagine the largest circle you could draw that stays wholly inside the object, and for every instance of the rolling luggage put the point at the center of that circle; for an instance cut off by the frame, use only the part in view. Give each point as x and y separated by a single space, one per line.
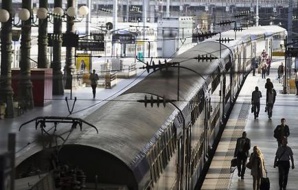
265 183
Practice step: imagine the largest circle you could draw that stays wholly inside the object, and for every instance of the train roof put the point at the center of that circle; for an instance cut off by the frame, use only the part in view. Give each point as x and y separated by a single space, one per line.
251 33
127 135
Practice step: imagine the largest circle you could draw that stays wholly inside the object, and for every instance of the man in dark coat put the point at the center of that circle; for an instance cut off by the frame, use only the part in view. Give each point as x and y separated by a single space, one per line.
255 100
281 131
242 152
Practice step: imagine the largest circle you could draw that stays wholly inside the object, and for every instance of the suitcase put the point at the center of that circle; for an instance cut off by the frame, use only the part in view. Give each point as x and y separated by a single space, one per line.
265 183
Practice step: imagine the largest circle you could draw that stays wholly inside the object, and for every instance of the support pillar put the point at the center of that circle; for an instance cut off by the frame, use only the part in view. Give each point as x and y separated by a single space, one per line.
25 84
69 65
6 91
43 61
56 63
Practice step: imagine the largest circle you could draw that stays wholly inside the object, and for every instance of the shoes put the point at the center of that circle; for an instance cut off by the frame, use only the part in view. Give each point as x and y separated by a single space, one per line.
242 177
239 175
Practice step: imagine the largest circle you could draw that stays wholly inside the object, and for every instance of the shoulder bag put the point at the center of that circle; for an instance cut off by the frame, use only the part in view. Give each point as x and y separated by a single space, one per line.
277 162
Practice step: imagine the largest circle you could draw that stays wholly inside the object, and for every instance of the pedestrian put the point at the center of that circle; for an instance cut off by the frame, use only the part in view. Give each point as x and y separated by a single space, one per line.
93 79
270 100
253 66
264 70
296 80
255 101
281 131
263 55
280 72
241 153
268 62
258 169
268 84
282 159
83 66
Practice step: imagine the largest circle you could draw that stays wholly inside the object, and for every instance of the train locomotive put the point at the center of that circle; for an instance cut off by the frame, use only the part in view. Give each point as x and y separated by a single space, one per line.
161 133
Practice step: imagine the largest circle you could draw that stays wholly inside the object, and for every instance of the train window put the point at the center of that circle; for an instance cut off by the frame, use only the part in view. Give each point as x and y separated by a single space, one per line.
161 161
172 143
160 156
228 66
150 159
167 145
158 168
215 82
154 173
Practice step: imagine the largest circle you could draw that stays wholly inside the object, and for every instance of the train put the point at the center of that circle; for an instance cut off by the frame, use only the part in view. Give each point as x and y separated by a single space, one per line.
161 133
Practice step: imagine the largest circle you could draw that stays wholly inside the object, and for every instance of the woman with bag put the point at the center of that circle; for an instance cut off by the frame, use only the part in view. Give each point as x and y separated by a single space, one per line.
258 170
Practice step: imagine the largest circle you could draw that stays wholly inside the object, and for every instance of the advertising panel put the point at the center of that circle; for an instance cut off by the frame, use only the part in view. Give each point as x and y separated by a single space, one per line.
83 63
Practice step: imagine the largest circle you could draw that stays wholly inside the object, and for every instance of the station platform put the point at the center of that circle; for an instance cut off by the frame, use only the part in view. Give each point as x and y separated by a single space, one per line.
259 130
79 108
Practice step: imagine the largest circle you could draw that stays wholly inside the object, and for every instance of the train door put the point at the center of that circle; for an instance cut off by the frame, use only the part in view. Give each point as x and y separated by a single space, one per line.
187 157
184 153
180 163
267 46
235 75
270 47
253 49
240 67
207 129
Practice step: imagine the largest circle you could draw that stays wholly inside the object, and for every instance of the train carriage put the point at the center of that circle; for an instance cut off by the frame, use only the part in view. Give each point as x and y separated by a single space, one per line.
166 146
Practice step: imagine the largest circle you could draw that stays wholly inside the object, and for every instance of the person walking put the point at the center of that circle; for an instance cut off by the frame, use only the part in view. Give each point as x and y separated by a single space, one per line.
255 101
268 84
93 79
258 169
282 159
296 80
241 153
268 62
254 65
280 72
270 100
264 70
281 131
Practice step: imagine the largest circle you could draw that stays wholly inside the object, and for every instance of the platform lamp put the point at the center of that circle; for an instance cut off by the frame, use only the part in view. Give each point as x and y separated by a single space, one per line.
25 20
6 92
57 17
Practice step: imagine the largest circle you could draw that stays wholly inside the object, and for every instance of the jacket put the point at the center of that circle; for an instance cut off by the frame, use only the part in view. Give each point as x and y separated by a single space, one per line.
280 132
242 146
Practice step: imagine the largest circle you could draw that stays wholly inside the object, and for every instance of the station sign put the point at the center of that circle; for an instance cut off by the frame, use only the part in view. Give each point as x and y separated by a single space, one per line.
128 38
91 45
135 9
68 39
98 36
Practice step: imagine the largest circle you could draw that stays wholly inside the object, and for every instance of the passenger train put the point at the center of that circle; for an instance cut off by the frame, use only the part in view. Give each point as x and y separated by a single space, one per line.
167 145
